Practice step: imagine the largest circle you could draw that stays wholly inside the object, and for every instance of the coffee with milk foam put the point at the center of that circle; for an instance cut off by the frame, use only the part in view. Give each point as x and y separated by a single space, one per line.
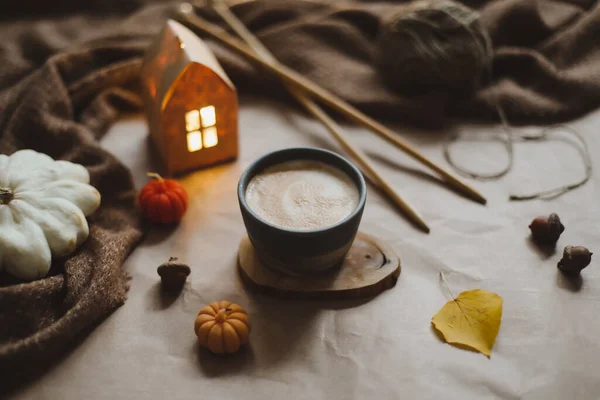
302 195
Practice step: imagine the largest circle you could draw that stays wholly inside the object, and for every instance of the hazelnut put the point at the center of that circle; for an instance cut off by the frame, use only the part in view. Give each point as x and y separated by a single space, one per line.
575 258
546 230
173 274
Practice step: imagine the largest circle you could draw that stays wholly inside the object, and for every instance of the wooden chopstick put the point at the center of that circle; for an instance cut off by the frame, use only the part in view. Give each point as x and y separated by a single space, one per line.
336 131
301 83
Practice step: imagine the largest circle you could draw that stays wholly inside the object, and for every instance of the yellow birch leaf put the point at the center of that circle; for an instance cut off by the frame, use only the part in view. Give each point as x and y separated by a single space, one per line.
472 320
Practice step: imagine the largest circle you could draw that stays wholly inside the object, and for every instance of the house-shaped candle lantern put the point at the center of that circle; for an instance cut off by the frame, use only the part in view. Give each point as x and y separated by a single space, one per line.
191 104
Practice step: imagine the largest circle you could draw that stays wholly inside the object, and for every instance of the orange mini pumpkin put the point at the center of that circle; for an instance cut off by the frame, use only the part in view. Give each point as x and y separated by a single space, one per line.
222 327
163 200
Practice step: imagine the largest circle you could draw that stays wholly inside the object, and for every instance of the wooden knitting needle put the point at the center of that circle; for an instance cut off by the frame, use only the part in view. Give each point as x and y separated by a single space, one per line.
299 82
336 131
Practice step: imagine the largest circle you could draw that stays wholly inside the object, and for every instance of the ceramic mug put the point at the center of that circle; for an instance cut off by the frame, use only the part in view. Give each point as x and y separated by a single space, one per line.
301 251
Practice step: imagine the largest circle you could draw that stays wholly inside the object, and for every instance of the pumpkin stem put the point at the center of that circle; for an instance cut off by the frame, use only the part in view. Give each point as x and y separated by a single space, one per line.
6 196
155 176
221 316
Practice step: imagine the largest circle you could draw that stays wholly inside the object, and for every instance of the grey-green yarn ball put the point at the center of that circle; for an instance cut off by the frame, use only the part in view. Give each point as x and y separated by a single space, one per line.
434 46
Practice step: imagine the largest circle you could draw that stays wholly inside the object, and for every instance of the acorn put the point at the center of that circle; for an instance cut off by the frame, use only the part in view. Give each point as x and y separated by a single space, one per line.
546 230
575 258
173 274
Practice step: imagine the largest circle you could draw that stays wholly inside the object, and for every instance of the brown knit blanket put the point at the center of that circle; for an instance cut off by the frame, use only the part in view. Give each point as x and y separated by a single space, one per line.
68 68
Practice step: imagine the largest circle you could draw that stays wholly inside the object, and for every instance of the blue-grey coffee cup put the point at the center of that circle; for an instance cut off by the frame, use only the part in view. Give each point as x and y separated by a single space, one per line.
301 251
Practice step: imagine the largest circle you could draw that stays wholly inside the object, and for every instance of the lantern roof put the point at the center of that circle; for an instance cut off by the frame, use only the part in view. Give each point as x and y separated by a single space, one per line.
169 56
196 49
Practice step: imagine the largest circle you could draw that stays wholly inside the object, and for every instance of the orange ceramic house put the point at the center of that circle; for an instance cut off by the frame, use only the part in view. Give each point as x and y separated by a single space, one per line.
191 104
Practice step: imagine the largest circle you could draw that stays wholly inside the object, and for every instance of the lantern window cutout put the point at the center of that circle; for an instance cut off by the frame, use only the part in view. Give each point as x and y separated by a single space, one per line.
194 141
208 116
201 129
210 138
192 120
191 104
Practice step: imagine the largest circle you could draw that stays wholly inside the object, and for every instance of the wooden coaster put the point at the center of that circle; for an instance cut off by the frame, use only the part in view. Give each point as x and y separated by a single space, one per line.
370 268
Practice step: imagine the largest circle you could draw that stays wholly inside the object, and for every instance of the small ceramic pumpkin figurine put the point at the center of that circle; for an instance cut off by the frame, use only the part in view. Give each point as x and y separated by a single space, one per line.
222 327
163 201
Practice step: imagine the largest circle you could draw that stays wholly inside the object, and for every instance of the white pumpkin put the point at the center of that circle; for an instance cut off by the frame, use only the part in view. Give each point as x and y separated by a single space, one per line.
43 205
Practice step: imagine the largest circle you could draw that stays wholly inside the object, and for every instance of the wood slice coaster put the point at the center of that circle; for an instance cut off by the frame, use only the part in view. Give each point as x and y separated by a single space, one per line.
370 268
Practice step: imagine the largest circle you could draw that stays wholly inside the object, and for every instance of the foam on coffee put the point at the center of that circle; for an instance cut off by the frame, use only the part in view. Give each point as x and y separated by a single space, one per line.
302 194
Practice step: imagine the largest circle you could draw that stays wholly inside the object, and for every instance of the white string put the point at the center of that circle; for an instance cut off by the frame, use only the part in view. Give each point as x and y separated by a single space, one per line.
510 136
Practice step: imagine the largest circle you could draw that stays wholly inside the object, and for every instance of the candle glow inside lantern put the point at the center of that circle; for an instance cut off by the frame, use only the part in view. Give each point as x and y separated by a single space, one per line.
190 102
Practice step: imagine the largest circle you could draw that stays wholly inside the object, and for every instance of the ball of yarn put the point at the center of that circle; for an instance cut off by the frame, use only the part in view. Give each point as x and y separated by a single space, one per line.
434 45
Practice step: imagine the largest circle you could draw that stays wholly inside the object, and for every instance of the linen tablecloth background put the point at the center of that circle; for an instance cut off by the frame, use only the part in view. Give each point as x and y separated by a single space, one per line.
547 347
547 344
